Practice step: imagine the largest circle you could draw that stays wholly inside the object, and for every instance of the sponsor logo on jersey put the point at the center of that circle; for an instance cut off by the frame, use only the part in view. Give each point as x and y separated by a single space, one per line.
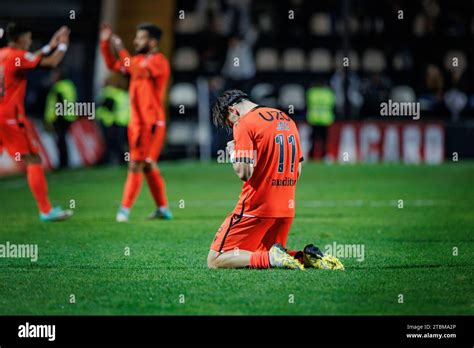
287 181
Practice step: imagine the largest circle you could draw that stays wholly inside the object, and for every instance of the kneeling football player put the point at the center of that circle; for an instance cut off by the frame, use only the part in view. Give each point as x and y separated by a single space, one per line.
266 154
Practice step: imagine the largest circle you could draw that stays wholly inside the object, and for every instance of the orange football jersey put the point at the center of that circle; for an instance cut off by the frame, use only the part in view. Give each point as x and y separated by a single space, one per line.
149 75
269 139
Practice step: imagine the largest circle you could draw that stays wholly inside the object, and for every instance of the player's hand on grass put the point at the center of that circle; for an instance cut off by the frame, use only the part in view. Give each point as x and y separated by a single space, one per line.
105 32
231 149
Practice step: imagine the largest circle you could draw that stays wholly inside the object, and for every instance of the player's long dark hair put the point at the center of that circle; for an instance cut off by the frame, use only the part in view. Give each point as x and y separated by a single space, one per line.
153 30
220 110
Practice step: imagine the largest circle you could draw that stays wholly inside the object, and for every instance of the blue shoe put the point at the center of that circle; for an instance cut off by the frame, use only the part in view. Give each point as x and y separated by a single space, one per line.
123 214
161 213
56 214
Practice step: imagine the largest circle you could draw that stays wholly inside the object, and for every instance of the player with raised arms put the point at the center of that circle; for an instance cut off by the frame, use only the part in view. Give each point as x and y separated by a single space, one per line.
149 73
266 154
16 133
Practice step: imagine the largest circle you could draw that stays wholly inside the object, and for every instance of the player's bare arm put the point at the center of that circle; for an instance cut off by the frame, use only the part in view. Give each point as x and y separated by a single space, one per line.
117 42
109 53
105 32
60 42
53 42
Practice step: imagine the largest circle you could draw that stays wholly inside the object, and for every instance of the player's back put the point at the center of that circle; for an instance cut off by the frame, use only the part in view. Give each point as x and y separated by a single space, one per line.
13 76
270 139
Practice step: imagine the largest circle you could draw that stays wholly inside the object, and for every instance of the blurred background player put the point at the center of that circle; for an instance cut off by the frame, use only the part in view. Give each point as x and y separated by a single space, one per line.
320 101
149 72
114 114
266 154
16 134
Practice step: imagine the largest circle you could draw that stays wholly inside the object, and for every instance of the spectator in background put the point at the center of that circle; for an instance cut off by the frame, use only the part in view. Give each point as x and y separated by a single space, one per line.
456 101
239 66
62 90
455 98
432 91
375 89
213 51
428 23
320 101
114 113
236 16
354 96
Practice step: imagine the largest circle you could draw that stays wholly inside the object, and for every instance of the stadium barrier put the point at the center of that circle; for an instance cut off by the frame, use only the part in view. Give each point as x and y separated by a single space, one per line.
375 141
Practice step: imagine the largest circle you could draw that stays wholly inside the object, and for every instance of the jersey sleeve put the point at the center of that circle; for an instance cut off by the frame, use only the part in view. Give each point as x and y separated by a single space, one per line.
244 144
27 60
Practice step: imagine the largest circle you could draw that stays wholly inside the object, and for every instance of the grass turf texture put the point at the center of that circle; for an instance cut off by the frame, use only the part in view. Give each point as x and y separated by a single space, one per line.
408 251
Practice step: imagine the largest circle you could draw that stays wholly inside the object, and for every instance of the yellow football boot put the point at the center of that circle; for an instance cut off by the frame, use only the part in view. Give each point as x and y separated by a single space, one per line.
313 257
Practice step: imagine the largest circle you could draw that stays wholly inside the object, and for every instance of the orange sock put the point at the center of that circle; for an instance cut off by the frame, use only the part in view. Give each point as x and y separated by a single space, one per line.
292 252
132 188
260 259
157 187
38 186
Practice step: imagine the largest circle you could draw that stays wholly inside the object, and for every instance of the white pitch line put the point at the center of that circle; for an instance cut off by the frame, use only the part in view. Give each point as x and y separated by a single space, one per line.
21 182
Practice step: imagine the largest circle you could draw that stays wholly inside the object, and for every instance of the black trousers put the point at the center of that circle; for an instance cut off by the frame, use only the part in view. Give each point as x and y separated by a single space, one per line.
61 127
318 142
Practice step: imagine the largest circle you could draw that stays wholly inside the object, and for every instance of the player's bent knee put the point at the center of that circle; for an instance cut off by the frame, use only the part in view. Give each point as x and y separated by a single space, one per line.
223 260
211 259
211 264
214 261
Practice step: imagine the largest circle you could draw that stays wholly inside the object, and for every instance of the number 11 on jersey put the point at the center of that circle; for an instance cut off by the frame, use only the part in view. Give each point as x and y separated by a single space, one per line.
280 139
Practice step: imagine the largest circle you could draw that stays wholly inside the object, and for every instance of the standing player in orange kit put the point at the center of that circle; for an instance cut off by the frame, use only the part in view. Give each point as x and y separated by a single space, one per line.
16 134
266 154
149 72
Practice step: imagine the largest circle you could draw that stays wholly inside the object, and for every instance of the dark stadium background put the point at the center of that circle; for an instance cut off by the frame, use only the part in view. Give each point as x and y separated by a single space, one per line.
404 203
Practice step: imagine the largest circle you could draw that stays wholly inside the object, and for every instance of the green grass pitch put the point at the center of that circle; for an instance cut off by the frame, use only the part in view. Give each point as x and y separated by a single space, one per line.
408 251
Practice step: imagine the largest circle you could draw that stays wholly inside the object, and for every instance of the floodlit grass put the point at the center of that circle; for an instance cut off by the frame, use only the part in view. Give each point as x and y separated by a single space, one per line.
408 251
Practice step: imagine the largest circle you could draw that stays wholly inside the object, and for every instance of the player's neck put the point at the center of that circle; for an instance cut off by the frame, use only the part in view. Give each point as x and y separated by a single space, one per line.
153 50
245 106
14 45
